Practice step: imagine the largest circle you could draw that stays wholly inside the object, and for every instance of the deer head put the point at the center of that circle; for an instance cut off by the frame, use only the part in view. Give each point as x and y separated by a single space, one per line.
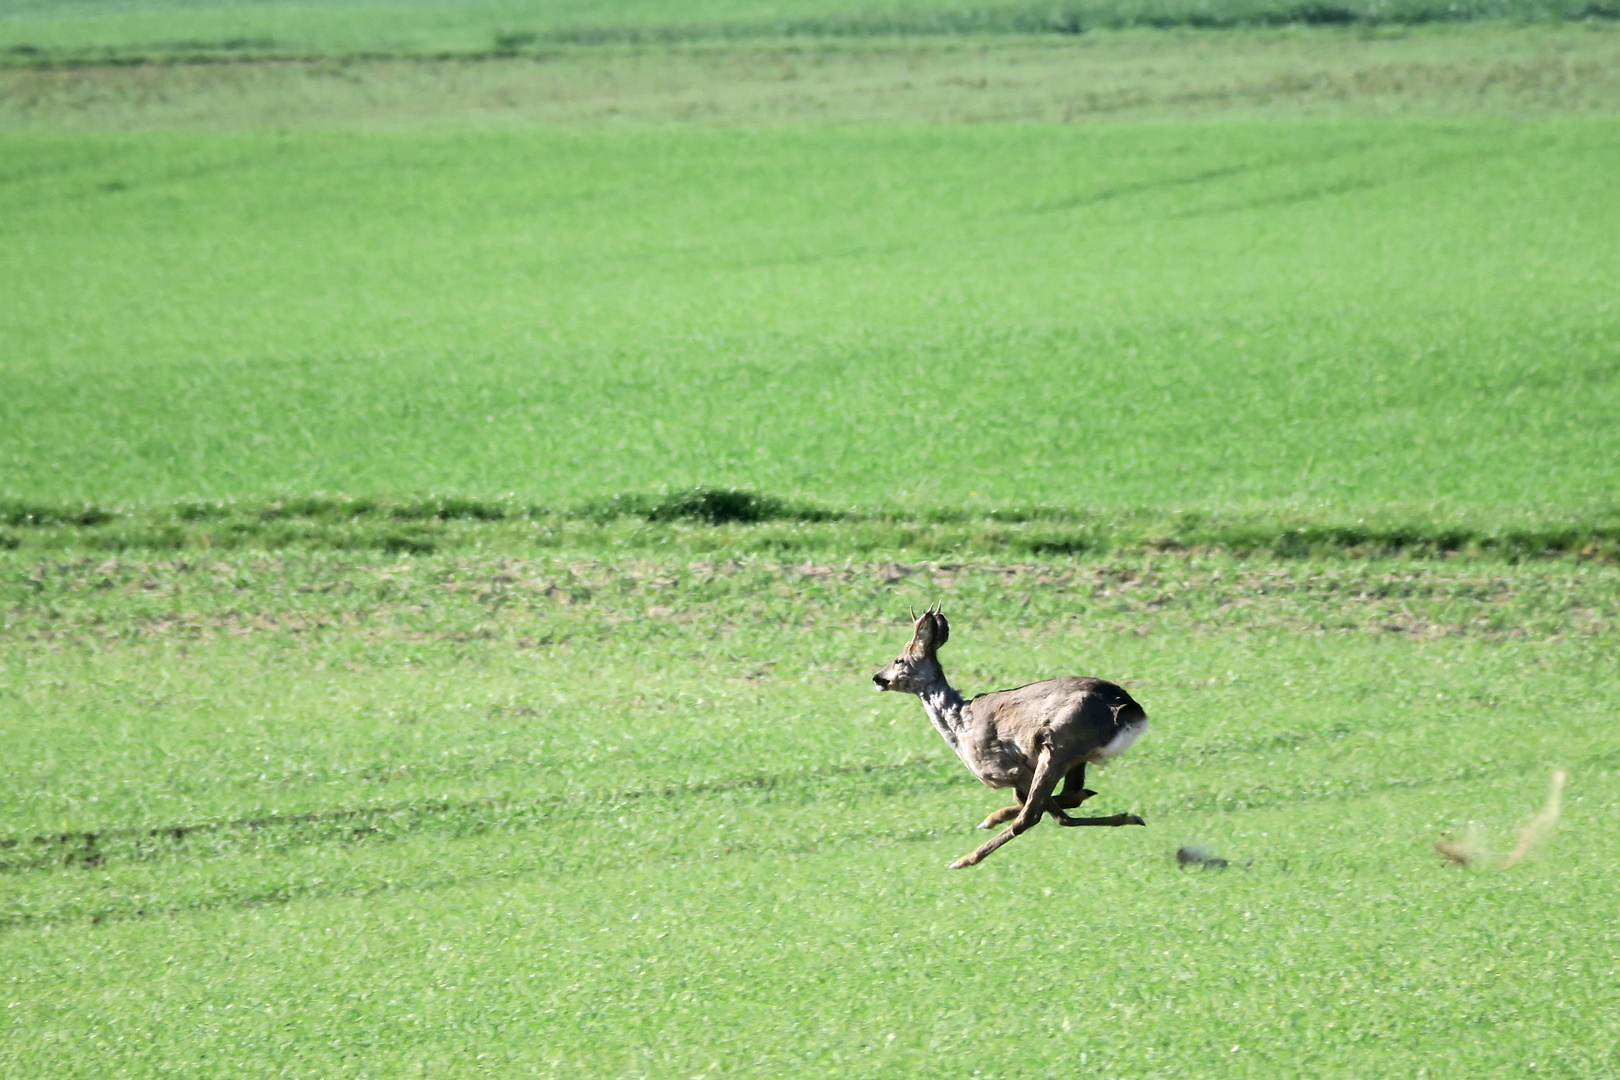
917 667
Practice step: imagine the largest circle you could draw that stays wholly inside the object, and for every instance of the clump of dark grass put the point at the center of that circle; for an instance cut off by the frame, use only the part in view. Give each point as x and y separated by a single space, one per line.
711 506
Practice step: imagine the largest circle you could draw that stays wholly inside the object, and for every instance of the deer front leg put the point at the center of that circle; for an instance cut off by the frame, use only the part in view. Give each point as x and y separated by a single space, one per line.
1034 805
1006 813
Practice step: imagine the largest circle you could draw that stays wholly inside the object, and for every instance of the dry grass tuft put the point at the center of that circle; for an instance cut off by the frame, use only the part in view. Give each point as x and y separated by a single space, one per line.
1471 849
1538 828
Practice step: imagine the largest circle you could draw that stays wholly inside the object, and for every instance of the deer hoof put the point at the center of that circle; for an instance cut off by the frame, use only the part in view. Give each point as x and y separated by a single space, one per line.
958 864
1135 820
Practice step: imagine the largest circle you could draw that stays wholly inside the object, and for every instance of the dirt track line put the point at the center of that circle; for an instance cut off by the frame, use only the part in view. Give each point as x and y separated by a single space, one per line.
88 840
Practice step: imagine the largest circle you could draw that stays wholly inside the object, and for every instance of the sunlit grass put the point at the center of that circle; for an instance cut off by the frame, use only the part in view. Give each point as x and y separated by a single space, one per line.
441 570
641 818
1331 318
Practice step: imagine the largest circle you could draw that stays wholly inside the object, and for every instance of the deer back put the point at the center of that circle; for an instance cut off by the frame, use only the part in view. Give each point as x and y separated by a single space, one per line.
1076 716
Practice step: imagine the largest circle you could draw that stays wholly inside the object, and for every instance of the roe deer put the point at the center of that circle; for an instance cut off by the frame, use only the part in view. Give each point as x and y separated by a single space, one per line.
1027 739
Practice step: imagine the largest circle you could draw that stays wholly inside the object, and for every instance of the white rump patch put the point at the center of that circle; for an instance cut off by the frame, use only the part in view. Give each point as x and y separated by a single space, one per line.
1120 743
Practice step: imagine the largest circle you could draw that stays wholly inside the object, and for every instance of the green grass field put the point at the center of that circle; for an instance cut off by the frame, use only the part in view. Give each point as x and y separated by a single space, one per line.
460 466
558 817
1343 315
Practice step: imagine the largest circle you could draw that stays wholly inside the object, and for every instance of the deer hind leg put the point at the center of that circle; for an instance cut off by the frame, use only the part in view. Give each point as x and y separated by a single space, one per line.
1112 819
1074 787
1073 794
1034 805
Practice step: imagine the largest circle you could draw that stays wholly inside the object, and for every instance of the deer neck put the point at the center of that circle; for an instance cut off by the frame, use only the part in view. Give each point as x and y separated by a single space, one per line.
945 709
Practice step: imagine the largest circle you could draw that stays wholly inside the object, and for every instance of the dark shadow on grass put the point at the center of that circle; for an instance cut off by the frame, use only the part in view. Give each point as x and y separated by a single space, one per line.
1077 202
350 826
50 851
709 519
1002 19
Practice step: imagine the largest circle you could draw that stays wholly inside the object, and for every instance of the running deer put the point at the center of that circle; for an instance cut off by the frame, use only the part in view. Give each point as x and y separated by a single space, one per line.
1026 739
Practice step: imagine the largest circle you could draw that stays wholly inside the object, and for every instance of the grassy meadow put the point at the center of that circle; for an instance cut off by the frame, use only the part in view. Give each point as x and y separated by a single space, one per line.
461 464
301 816
1343 315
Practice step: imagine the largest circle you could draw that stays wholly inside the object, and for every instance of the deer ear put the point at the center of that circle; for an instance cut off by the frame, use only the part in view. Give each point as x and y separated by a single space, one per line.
931 632
924 635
